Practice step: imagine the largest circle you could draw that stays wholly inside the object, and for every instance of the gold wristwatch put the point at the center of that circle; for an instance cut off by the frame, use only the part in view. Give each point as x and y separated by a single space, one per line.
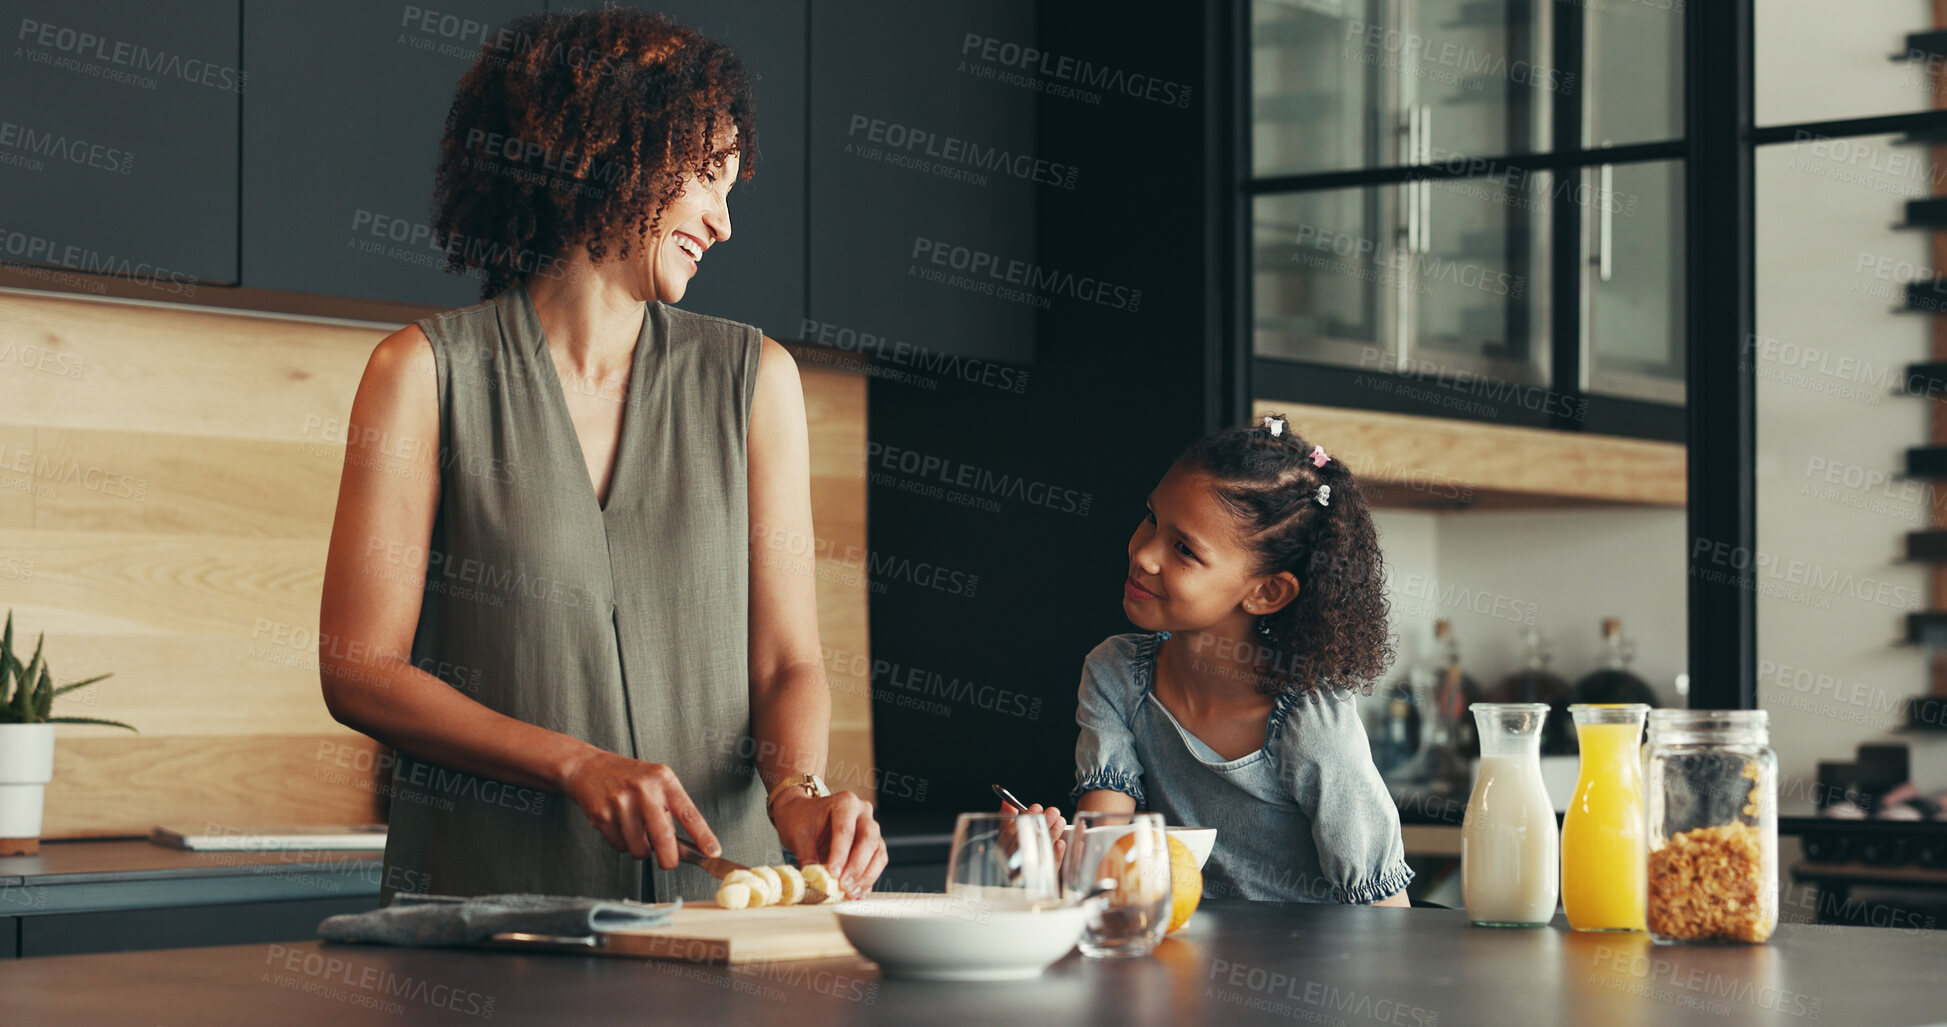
813 785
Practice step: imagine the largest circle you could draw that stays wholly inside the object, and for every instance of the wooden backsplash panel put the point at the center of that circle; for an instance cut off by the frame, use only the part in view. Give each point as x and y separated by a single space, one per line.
167 483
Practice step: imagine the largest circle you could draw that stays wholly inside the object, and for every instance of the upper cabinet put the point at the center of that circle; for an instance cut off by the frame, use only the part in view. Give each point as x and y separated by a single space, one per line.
758 275
342 127
926 173
118 139
347 106
1495 284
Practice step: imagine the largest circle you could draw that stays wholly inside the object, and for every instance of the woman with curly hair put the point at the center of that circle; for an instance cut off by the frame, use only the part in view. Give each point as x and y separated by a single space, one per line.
598 584
1256 578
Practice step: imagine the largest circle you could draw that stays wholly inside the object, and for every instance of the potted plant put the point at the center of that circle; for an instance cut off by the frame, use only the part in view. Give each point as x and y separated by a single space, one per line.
27 741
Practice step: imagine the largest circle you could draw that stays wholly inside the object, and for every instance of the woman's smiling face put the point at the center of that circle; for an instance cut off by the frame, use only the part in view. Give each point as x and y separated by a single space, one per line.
1190 567
697 219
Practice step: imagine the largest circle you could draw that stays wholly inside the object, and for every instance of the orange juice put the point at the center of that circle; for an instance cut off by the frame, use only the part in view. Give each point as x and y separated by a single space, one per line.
1604 850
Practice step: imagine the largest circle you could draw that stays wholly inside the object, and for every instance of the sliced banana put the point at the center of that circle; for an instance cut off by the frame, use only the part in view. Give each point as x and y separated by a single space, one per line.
734 896
773 882
816 876
793 885
760 892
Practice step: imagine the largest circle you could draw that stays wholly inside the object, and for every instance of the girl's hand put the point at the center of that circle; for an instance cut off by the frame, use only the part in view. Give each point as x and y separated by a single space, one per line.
636 805
837 827
1056 825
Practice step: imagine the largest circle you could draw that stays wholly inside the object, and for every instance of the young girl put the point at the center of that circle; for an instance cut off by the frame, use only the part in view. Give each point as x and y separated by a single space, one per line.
1256 580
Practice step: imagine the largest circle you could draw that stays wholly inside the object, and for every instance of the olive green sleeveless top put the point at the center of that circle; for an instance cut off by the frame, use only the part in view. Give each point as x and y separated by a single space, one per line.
625 625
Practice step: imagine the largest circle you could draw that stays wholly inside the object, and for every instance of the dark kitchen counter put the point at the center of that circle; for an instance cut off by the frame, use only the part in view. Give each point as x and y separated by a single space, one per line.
96 874
1237 962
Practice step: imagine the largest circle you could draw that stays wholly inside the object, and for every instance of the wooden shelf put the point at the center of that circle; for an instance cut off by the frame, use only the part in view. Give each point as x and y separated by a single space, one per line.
1405 461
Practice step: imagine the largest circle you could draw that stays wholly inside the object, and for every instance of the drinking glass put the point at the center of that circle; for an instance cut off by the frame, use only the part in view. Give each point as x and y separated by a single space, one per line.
1131 850
1001 861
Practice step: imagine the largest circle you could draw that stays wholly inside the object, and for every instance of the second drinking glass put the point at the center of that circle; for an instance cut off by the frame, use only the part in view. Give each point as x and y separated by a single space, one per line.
1132 851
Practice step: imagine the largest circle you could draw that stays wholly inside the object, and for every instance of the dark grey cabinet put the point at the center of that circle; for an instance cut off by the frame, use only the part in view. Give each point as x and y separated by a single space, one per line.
174 927
119 139
758 275
342 125
926 173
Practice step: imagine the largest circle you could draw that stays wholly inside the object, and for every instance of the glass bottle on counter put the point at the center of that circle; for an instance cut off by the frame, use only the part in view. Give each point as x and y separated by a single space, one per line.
1614 682
1712 783
1603 848
1457 692
1436 768
1535 683
1509 857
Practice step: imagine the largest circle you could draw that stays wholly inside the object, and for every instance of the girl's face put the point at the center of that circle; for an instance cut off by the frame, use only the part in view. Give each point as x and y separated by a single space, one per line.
1190 568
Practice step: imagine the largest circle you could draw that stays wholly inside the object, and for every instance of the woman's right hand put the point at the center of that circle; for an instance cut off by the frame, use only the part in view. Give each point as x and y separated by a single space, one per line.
636 805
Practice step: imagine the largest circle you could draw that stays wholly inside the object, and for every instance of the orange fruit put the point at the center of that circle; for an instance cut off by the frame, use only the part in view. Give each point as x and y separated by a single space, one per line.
1137 880
1121 864
1186 884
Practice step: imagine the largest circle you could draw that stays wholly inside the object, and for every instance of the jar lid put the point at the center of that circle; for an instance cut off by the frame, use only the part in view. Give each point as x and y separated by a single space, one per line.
1709 725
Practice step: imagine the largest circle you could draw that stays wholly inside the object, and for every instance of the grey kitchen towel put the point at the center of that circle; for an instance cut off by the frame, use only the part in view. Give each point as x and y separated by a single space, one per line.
453 920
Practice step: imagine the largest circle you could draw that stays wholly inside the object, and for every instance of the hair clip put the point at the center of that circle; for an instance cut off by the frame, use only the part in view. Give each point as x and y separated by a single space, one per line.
1325 495
1319 458
1273 424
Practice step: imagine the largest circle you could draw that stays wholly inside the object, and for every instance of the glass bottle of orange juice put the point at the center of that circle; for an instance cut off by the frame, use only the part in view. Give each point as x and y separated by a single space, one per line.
1604 849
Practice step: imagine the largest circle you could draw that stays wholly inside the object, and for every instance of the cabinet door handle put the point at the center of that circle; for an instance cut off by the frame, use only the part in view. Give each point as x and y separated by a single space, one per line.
1605 236
1412 156
1426 184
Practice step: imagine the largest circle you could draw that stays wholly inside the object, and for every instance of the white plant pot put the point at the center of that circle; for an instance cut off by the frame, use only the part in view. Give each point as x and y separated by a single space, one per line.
26 766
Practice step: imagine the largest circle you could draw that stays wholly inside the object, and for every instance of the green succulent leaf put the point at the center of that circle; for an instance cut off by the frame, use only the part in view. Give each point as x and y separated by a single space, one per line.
33 689
72 685
44 694
91 720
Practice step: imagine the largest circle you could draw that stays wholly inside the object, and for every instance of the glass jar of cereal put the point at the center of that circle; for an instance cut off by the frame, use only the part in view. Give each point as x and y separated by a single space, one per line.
1712 788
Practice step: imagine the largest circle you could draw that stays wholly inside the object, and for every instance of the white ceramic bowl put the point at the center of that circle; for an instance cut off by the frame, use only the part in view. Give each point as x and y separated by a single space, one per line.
937 938
1199 840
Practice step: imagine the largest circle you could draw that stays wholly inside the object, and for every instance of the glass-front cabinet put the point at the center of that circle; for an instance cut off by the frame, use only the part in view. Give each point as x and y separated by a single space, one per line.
1399 223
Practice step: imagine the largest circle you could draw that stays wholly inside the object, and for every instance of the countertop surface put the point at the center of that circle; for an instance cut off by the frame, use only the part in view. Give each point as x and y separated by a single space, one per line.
1237 962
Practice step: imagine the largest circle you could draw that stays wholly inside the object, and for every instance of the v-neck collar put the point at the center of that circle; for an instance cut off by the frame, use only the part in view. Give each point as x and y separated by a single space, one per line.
558 398
1191 739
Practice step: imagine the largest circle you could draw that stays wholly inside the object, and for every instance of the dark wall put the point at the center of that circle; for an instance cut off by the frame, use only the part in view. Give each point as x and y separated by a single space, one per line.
1034 492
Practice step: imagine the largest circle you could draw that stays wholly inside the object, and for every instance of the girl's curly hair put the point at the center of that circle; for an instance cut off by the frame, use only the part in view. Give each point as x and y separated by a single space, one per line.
579 129
1335 632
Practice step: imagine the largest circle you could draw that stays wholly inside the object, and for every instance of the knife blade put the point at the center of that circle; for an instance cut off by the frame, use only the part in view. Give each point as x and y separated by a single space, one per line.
721 868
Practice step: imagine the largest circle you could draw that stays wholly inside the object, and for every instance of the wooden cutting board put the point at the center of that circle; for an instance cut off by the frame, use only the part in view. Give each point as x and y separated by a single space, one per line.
703 932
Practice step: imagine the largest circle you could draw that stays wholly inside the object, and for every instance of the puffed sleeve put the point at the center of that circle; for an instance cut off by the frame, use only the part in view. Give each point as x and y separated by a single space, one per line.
1105 751
1325 762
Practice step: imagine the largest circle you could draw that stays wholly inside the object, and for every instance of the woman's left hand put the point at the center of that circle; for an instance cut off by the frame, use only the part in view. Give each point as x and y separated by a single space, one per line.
836 830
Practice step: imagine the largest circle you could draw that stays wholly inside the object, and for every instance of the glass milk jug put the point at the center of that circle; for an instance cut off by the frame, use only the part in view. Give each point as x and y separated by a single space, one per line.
1508 857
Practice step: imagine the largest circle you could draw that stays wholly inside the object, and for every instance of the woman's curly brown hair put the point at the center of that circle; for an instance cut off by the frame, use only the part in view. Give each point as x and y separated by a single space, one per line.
1335 633
579 129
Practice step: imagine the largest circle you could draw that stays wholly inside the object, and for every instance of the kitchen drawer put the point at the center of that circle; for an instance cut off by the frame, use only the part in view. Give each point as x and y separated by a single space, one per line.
127 930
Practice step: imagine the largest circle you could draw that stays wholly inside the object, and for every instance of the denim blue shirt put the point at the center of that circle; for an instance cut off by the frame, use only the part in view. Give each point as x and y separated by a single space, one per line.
1305 818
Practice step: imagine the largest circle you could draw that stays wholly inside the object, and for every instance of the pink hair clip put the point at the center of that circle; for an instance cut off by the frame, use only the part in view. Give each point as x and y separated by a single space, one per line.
1319 459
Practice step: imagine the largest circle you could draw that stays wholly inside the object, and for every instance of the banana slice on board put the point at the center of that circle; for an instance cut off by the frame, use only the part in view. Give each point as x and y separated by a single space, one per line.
816 876
760 892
